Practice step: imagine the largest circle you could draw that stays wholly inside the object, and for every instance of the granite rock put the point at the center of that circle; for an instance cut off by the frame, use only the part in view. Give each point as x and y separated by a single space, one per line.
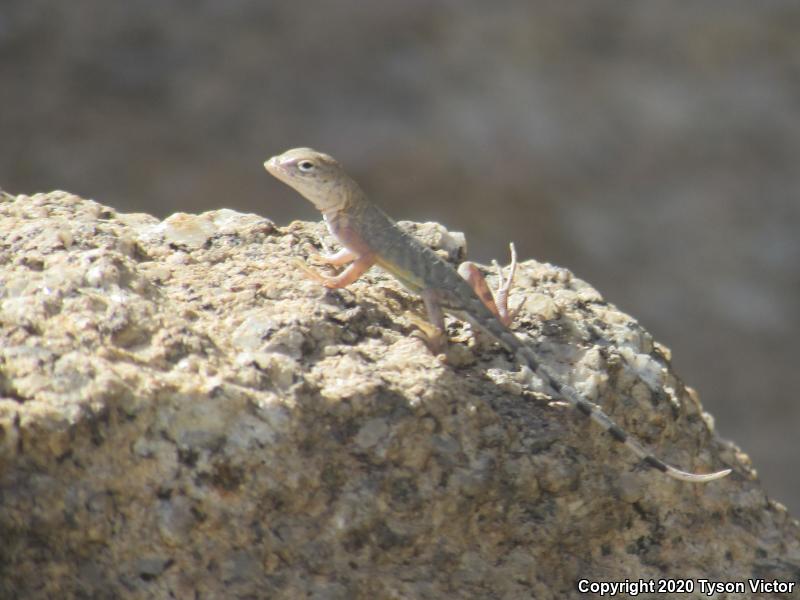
184 415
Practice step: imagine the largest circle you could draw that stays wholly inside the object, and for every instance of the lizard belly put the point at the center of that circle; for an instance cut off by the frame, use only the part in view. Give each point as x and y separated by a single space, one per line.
407 278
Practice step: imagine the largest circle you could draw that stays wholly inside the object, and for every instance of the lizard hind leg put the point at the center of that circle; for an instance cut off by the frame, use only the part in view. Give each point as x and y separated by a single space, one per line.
497 302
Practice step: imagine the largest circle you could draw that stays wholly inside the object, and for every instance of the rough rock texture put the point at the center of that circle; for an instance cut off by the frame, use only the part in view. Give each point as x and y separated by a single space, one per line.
652 147
184 415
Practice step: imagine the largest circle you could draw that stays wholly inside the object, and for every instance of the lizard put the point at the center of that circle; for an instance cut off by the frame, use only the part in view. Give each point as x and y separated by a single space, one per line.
368 237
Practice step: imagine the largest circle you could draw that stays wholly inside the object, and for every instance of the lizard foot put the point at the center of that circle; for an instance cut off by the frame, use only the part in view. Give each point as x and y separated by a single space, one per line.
504 287
311 273
433 337
497 302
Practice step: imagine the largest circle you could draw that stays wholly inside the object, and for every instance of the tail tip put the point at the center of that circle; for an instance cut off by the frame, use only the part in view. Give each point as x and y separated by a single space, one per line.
697 477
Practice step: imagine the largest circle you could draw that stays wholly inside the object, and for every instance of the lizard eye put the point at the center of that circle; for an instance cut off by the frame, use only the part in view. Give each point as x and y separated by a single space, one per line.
305 166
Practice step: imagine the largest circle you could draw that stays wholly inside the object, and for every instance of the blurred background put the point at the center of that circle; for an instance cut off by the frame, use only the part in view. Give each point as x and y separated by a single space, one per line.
651 148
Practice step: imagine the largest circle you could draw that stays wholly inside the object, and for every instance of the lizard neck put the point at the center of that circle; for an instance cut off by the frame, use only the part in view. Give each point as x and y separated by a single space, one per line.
345 222
346 200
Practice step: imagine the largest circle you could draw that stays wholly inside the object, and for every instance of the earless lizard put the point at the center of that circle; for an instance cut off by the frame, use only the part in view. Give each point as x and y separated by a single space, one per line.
369 237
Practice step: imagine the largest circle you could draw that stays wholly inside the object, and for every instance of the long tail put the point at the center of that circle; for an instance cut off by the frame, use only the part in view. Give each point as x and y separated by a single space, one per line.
594 412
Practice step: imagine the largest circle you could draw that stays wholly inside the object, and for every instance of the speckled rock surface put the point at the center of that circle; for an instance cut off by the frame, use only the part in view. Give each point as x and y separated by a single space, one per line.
184 415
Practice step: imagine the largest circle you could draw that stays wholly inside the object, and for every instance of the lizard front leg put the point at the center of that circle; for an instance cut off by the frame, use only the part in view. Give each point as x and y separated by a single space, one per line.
337 259
355 270
497 302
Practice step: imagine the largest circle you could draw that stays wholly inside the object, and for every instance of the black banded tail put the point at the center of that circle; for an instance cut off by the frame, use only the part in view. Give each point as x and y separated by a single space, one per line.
596 414
592 410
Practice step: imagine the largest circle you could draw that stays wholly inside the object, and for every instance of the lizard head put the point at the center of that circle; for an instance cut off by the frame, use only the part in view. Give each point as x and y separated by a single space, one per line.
315 175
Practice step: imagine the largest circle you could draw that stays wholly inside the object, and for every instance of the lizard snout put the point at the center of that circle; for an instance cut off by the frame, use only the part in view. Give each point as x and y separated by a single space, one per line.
272 164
